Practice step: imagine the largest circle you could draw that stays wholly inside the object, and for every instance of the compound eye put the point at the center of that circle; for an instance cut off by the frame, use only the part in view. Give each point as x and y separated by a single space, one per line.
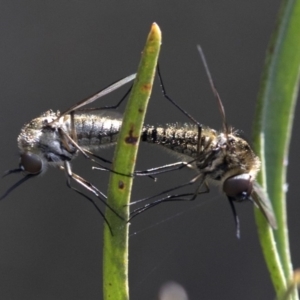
30 163
238 187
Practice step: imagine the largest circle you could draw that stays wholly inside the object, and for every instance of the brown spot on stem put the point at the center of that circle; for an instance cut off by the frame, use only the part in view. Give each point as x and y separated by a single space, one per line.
121 185
130 139
147 87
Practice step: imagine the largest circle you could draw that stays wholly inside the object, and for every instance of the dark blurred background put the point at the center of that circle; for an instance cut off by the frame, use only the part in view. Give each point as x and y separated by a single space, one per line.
54 54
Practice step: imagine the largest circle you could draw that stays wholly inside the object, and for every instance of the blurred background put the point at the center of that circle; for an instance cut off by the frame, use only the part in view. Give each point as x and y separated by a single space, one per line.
54 54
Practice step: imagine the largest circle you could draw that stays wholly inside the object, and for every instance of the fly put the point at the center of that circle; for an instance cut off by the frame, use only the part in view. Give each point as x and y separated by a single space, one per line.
54 139
222 158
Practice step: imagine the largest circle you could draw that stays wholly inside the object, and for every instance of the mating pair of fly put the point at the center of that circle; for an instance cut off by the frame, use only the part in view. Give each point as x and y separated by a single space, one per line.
222 158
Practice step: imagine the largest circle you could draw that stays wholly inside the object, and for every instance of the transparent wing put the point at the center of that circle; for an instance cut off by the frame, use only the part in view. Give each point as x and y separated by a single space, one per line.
262 200
100 94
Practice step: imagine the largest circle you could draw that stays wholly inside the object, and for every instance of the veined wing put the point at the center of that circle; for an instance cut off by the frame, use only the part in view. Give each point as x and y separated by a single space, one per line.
262 200
100 94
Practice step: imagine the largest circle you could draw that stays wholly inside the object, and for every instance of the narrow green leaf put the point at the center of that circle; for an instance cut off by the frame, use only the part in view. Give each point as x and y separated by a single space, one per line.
273 126
115 253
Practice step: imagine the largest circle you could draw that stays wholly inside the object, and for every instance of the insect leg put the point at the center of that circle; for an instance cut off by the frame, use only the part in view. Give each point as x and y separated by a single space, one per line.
180 108
98 157
171 189
215 92
171 198
172 101
90 187
163 169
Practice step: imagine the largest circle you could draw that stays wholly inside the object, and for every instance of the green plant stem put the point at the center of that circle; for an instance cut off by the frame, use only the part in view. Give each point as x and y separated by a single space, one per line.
274 119
115 253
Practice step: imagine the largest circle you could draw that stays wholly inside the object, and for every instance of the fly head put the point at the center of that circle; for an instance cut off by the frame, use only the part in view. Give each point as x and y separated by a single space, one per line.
31 163
238 188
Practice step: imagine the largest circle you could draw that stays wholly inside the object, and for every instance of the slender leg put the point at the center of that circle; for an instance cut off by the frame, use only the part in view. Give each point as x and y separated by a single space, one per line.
90 187
176 197
165 168
173 102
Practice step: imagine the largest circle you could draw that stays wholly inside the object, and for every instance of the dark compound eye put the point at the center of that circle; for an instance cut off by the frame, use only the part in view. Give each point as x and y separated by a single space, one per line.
238 187
30 163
